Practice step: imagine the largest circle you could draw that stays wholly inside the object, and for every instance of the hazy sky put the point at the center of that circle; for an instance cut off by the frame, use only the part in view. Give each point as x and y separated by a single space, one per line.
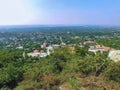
61 12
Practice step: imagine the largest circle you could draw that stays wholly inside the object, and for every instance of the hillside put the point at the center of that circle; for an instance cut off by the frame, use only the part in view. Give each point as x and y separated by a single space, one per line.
68 68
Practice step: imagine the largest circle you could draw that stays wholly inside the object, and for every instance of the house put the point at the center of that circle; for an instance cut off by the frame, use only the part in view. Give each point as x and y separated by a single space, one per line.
33 54
114 55
97 48
63 44
89 43
41 51
42 55
36 51
44 45
19 47
49 50
37 54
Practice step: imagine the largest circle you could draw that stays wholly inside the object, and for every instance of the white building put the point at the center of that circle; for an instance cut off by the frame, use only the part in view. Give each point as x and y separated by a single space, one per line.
37 54
19 47
49 50
42 55
32 54
96 49
114 55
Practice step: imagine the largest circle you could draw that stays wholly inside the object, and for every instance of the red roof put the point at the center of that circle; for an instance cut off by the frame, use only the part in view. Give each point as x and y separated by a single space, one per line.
35 51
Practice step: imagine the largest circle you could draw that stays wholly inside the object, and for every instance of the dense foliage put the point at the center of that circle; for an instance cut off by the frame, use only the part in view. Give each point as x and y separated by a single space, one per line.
68 67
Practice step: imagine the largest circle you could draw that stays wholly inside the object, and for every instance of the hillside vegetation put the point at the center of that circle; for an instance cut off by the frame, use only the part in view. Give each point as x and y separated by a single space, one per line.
68 68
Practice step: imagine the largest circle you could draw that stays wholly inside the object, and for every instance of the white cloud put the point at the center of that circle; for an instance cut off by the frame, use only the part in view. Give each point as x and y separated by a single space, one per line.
14 12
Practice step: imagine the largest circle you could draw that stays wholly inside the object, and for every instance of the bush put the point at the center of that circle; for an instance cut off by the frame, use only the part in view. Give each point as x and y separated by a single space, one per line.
113 72
10 75
5 88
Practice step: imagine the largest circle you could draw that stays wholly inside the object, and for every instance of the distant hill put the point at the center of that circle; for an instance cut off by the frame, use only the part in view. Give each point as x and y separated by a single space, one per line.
55 27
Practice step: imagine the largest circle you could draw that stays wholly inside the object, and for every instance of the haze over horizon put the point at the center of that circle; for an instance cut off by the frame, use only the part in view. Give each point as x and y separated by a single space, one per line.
59 12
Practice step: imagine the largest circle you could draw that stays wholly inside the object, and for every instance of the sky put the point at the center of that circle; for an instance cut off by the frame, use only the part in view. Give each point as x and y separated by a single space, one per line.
59 12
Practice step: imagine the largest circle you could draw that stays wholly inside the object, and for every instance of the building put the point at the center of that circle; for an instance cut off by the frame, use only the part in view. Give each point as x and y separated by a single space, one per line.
37 54
114 55
55 46
33 54
49 50
41 53
44 45
89 43
36 51
19 47
97 48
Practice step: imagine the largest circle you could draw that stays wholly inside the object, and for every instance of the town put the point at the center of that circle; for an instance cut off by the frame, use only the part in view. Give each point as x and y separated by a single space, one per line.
44 40
93 47
60 58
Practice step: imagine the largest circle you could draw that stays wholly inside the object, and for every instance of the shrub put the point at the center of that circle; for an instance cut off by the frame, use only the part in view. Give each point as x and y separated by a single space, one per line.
113 72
